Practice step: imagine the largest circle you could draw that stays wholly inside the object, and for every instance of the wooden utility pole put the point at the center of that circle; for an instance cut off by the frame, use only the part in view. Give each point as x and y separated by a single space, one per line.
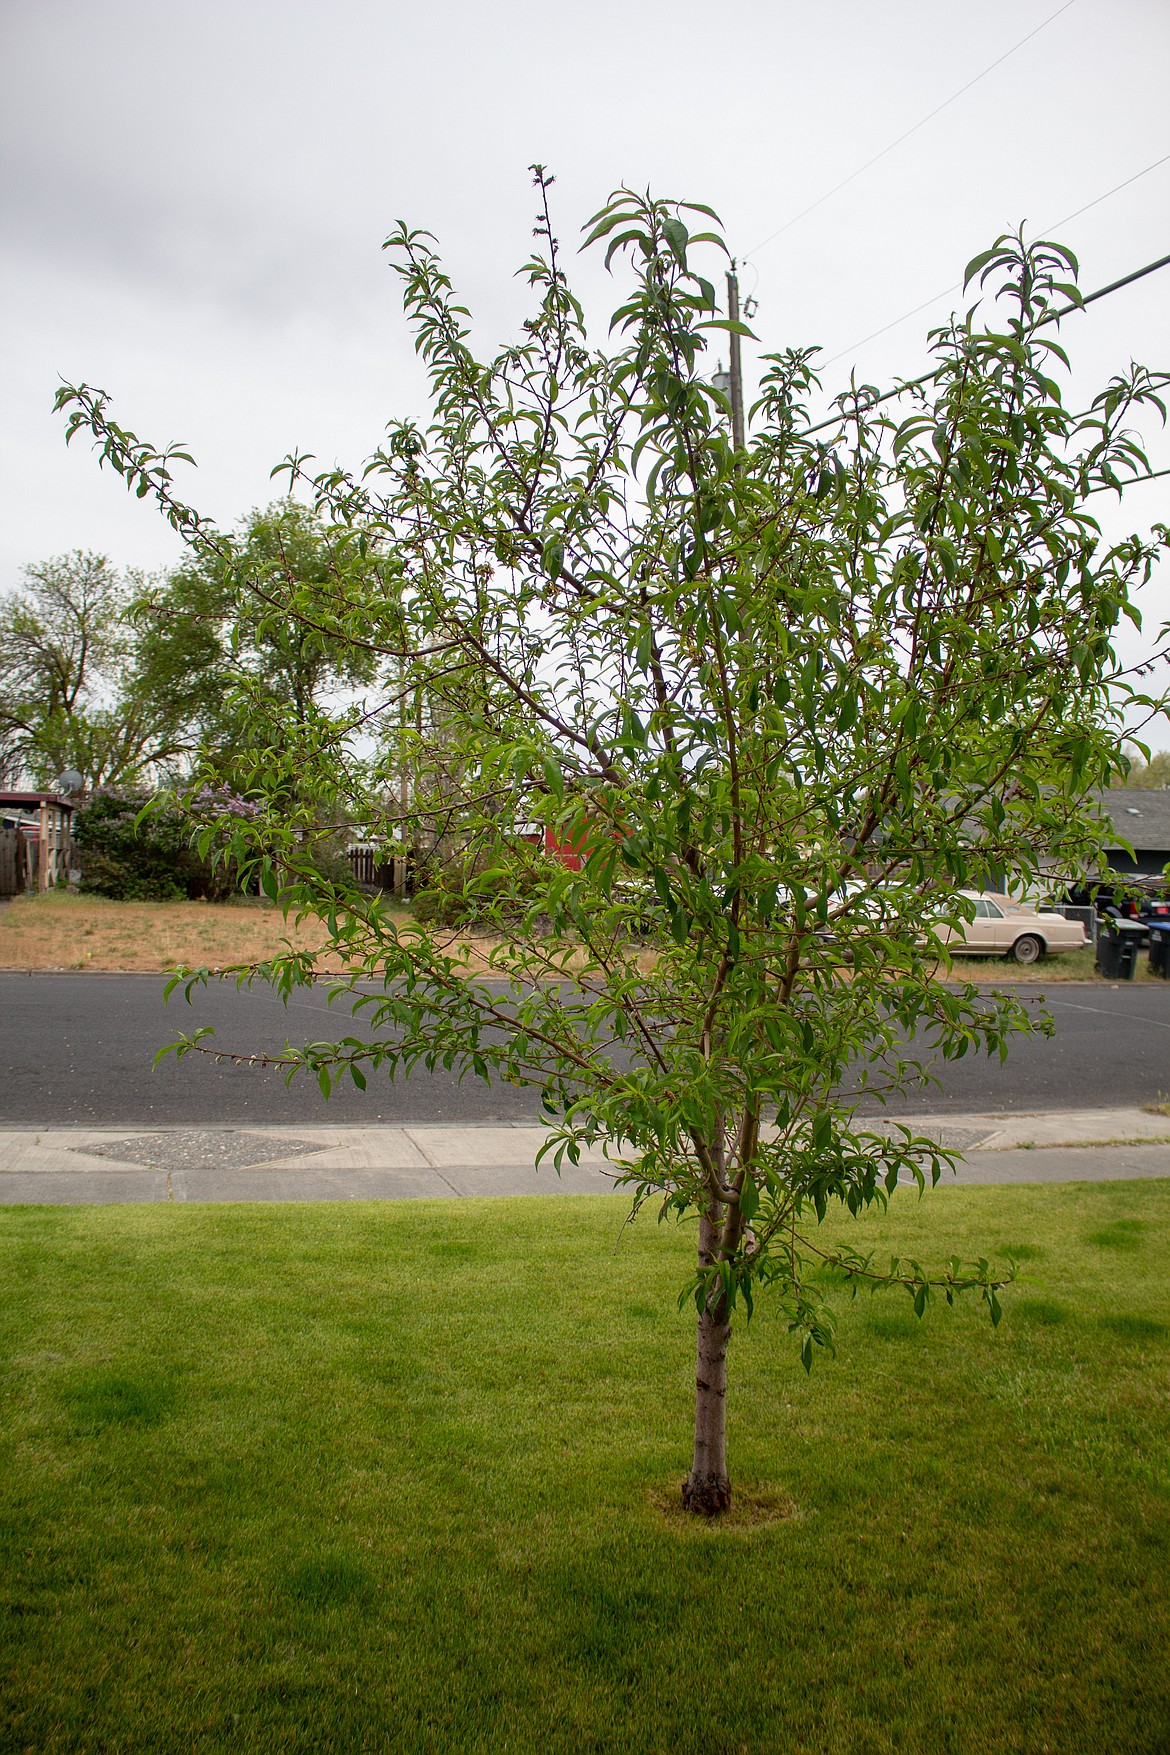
399 860
737 436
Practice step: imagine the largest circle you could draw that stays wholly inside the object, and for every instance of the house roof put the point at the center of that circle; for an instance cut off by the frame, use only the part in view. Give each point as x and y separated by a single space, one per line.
34 800
1143 818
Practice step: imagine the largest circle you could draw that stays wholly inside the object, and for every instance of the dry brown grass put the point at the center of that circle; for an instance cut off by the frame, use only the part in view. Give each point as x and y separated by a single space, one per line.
62 931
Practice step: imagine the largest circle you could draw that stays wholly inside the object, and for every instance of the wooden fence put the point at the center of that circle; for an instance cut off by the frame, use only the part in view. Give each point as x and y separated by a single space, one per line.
13 861
373 871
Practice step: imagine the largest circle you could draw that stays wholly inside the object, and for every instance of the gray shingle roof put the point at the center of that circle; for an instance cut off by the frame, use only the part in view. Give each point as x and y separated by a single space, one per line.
1142 817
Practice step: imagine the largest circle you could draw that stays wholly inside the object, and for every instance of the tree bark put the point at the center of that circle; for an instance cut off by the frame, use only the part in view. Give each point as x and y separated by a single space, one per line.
707 1489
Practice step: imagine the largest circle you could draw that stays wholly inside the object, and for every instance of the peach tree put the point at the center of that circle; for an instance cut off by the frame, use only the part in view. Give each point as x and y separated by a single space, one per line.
715 736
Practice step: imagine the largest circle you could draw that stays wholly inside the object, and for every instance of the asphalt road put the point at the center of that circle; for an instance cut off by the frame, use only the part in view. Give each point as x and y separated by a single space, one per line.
76 1050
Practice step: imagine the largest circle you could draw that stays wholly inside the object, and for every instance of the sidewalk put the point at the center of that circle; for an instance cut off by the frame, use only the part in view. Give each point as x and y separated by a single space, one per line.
71 1166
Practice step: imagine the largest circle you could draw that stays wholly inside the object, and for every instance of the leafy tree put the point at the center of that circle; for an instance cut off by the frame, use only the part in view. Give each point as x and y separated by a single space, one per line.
122 677
61 638
784 702
1151 776
259 597
85 684
265 601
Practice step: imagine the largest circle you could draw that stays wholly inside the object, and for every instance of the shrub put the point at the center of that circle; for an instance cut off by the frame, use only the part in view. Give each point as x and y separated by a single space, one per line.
463 893
128 860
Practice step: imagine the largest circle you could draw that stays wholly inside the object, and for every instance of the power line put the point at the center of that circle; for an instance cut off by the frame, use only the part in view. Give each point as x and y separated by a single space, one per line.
1096 202
1104 291
1130 481
886 327
1051 317
957 286
853 175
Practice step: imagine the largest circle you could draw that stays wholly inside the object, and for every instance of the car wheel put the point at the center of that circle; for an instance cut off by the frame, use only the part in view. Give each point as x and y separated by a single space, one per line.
1027 949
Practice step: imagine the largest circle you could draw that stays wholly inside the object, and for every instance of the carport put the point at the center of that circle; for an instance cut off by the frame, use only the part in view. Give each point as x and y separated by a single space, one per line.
36 841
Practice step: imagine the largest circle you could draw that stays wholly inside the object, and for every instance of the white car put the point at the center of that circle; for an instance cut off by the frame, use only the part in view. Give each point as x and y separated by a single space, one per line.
1005 928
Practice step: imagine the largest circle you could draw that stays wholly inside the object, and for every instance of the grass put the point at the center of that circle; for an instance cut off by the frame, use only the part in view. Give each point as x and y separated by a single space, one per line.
1059 966
402 1477
59 930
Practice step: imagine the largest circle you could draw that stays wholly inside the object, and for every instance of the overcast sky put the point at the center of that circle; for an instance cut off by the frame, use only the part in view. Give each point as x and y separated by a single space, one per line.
195 196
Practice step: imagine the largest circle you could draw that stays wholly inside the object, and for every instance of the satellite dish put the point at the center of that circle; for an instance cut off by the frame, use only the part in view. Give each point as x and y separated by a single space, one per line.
69 781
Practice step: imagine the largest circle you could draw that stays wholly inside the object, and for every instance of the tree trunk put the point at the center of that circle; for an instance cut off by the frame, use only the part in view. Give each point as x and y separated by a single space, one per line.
707 1490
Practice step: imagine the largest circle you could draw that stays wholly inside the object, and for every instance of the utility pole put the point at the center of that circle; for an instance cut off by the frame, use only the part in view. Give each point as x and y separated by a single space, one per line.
737 435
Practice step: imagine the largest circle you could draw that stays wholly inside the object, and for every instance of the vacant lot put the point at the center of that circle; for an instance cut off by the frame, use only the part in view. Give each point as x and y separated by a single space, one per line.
58 930
62 931
393 1478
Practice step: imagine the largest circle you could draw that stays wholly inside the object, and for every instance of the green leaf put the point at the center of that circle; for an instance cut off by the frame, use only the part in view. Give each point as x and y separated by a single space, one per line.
677 237
730 326
552 558
976 264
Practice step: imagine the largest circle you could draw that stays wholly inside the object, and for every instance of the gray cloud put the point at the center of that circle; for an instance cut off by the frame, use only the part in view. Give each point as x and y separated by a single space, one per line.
195 196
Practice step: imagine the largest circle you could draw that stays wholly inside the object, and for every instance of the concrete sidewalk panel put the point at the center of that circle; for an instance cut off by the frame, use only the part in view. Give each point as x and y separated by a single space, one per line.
1063 1164
61 1166
1067 1127
449 1148
476 1181
56 1188
304 1184
91 1150
24 1154
386 1148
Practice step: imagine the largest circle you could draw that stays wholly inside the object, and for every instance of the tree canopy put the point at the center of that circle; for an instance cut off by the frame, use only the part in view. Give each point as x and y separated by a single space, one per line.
128 679
1151 776
783 703
255 600
92 679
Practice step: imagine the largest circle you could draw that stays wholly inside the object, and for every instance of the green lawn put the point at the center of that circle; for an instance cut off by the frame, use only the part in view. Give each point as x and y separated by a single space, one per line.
389 1478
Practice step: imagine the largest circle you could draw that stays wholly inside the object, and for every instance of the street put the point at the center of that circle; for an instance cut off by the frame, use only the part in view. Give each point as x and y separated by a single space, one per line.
76 1050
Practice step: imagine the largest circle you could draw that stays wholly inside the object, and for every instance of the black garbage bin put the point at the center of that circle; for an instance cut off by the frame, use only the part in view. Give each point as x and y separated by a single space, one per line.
1160 948
1117 948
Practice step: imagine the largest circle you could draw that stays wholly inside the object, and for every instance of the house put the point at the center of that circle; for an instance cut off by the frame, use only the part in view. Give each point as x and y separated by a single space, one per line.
1142 819
36 841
